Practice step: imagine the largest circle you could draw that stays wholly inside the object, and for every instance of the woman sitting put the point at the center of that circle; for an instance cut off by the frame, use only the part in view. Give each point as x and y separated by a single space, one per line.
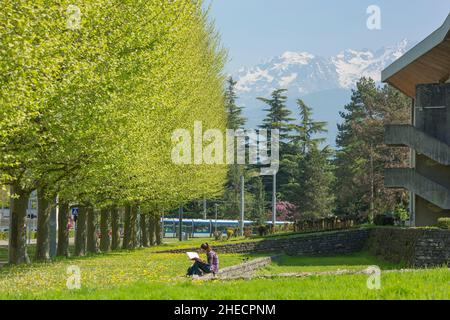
200 267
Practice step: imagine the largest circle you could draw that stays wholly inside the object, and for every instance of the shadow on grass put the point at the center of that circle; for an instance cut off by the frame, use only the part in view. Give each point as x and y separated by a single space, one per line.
31 249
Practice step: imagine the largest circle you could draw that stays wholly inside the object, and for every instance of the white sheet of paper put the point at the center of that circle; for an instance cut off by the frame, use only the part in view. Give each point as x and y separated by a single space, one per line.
192 255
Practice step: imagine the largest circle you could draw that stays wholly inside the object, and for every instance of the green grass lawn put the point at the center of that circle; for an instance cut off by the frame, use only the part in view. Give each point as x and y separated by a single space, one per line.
144 274
423 284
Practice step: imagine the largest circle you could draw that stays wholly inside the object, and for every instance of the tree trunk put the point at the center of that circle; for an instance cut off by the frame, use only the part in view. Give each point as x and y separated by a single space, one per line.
144 231
151 230
158 239
134 216
127 229
63 229
42 241
104 231
115 226
80 239
91 231
17 226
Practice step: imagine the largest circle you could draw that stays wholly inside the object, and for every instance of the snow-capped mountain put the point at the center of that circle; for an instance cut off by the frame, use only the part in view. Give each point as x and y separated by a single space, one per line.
323 82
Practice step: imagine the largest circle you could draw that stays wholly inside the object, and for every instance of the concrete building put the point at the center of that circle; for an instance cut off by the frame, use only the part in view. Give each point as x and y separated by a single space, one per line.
423 74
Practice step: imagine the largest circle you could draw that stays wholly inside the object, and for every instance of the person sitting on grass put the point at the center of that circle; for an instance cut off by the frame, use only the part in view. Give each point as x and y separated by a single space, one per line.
200 267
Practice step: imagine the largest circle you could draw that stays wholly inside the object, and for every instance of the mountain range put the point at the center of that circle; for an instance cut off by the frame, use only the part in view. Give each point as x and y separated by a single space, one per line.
324 83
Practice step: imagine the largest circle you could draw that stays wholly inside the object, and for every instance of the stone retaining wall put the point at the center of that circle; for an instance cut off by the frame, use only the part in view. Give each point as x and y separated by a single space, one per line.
413 247
339 242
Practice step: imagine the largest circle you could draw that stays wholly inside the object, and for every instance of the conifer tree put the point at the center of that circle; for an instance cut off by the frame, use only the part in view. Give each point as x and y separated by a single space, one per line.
310 172
362 155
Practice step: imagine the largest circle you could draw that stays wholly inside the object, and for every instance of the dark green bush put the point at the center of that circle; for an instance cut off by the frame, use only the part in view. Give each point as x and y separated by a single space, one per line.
384 220
263 230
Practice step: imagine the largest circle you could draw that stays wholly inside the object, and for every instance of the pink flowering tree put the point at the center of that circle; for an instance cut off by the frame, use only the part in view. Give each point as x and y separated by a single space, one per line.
287 211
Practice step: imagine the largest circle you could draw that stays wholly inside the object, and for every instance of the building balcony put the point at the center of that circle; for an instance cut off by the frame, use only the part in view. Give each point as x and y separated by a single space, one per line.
407 135
418 184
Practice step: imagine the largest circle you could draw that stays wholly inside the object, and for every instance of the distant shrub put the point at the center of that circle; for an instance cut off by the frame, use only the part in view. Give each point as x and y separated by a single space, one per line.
4 235
248 232
217 235
230 233
444 223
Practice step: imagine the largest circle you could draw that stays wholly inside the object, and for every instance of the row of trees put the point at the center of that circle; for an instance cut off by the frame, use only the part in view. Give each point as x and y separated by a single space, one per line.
90 96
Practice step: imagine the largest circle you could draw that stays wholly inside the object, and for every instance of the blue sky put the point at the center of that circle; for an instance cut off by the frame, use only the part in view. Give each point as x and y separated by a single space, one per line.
254 30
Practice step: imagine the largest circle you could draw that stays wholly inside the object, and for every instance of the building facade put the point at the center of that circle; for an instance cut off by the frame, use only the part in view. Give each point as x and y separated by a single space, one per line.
423 74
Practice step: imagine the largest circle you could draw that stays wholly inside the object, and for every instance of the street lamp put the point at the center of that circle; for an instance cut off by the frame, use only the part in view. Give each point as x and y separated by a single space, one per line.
242 205
274 202
215 225
180 227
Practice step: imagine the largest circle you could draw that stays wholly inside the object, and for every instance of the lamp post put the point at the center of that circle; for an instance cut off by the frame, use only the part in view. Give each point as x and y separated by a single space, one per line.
242 206
215 225
274 202
180 227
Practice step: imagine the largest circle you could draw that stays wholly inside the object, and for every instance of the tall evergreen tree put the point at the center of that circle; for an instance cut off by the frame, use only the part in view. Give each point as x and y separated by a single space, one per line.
235 118
362 155
235 121
309 167
278 115
315 178
305 138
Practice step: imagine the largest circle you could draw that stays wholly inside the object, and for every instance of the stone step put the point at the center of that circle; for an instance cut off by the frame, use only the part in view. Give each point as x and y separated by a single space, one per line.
245 268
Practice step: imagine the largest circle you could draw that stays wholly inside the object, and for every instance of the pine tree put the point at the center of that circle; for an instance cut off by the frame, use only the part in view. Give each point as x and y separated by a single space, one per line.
305 138
278 115
362 155
278 118
309 167
315 195
235 121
